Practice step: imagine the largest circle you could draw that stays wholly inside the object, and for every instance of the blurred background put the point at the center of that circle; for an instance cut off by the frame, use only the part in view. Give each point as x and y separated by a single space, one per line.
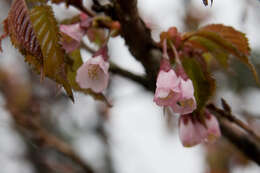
133 136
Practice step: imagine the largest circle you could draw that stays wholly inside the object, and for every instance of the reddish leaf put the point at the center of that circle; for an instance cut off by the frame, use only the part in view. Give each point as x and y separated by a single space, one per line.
34 32
229 39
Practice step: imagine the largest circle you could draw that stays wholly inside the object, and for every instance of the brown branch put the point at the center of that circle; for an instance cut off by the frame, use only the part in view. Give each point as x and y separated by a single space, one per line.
238 135
128 75
234 119
78 4
137 36
43 137
140 43
22 105
248 142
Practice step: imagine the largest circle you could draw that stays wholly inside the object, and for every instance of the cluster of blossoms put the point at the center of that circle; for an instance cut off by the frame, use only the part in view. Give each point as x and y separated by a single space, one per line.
93 74
175 90
74 33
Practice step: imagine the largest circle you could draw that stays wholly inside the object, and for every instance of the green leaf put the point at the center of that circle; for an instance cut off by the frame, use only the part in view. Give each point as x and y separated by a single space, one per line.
213 48
204 84
47 34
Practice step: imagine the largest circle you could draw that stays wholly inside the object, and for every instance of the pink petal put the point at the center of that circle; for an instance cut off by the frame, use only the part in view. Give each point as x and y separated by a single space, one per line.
187 89
70 46
100 61
168 80
74 31
165 97
85 21
186 103
167 90
93 74
181 72
213 130
191 132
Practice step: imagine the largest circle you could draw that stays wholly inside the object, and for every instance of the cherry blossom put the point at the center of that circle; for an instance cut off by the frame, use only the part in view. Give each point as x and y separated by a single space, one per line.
74 35
193 132
167 86
186 102
213 127
93 74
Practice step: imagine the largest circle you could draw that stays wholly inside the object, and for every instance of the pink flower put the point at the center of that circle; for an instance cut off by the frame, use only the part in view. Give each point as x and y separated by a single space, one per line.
213 131
186 102
85 21
93 74
191 132
74 31
167 88
74 35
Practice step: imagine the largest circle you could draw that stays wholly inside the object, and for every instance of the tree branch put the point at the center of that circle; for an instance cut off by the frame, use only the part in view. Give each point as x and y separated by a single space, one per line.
137 36
22 103
128 75
244 138
237 135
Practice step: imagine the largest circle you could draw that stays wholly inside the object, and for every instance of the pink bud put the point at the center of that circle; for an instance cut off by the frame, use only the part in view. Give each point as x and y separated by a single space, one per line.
83 16
186 103
213 130
191 132
93 74
75 33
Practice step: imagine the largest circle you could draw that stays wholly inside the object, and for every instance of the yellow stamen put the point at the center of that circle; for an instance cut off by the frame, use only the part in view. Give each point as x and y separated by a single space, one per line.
93 72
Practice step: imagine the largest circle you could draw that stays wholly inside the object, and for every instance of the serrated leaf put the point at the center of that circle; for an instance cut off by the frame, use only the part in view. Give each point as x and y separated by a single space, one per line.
203 83
213 48
40 51
20 30
47 34
231 40
229 34
75 62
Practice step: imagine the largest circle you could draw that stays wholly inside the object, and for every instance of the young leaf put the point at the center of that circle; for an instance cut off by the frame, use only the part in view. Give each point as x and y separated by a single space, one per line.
204 84
213 48
34 32
20 30
47 34
231 40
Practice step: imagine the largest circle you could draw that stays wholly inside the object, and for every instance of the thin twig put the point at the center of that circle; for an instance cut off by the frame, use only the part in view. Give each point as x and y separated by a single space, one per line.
228 115
129 75
87 48
237 135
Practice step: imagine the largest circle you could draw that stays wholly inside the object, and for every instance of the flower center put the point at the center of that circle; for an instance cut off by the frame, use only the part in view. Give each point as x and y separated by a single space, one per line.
169 95
93 72
185 103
